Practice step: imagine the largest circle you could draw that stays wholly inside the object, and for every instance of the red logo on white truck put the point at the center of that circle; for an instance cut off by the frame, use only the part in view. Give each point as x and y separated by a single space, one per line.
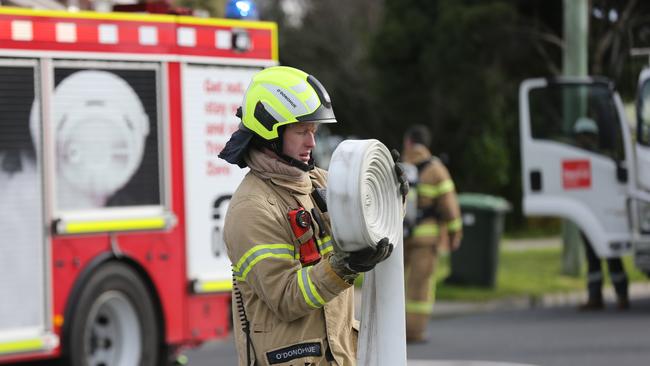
576 174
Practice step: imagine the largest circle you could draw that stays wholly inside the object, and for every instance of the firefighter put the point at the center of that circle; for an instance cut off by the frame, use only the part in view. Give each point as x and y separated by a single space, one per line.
586 134
292 294
438 222
586 137
595 280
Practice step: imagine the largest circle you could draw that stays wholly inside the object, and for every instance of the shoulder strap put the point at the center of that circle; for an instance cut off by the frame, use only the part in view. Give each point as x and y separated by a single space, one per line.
423 164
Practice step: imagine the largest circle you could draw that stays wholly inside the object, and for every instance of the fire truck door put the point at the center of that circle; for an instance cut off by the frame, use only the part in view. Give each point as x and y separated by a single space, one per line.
25 321
575 156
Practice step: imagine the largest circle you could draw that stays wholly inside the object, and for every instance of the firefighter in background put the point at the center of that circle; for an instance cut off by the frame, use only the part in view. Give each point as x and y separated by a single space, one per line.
438 221
586 137
292 294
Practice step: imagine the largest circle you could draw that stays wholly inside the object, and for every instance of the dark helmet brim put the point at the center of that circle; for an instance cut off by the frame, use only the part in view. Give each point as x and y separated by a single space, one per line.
322 114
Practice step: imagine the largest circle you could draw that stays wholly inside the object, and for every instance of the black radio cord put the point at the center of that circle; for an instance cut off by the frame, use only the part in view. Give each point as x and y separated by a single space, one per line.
239 300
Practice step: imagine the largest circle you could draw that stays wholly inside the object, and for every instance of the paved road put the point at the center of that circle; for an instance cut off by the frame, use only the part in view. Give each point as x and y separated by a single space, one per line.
557 335
517 335
544 336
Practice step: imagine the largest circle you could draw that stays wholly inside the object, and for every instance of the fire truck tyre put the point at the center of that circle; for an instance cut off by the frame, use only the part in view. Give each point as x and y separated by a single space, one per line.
114 321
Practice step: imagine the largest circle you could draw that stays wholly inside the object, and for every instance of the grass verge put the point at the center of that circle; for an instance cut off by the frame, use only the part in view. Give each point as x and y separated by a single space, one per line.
529 272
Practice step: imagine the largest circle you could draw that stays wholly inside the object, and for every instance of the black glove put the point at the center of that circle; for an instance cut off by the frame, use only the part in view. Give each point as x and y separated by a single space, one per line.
349 265
365 259
401 177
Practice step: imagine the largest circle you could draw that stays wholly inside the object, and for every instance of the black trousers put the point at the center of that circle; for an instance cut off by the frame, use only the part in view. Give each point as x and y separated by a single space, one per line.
595 273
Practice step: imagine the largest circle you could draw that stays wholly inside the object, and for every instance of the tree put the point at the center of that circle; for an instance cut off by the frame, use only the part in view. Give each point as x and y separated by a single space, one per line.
331 43
455 66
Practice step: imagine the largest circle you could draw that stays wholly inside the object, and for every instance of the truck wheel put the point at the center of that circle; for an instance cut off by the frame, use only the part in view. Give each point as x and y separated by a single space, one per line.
114 321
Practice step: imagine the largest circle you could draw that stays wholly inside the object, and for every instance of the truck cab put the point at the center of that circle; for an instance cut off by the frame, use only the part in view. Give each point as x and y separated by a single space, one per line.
582 161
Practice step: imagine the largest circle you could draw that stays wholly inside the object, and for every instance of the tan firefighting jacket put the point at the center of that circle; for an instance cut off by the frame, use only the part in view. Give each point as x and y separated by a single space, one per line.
296 313
437 202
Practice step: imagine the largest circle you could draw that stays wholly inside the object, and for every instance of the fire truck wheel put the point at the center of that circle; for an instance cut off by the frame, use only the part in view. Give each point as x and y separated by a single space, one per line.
114 321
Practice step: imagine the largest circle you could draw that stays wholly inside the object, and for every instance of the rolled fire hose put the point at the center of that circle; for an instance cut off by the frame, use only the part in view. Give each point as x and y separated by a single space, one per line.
365 206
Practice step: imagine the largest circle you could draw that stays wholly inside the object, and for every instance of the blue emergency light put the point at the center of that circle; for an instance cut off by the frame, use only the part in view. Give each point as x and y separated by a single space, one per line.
241 9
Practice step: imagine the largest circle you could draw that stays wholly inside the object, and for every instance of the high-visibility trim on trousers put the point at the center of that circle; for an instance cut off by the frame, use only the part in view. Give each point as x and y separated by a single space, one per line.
595 277
258 253
435 190
455 224
308 290
426 230
419 307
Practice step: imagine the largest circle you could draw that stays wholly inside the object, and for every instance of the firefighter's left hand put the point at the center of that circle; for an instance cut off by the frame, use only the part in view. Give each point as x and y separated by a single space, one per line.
454 239
365 259
348 264
401 176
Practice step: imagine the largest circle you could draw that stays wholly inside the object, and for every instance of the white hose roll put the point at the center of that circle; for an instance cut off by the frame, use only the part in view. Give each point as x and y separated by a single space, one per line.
363 195
365 206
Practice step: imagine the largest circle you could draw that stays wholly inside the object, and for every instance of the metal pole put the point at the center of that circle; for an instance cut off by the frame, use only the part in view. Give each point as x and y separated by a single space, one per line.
575 63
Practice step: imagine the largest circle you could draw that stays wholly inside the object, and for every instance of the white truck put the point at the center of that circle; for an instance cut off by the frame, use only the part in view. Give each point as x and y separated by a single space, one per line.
582 161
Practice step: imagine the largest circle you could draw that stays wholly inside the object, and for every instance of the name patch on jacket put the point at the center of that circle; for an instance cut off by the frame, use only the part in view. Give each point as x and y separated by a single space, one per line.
292 352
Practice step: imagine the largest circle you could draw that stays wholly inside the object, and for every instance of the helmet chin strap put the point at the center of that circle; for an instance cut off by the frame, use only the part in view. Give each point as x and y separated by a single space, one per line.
297 163
276 147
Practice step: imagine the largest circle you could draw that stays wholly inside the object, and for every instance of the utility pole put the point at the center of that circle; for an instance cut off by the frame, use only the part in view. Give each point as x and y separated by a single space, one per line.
574 63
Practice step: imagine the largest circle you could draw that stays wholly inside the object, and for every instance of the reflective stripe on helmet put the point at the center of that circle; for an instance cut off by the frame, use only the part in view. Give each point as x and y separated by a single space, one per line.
288 99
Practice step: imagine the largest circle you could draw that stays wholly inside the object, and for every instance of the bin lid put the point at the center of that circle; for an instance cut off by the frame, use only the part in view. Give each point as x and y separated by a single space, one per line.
484 201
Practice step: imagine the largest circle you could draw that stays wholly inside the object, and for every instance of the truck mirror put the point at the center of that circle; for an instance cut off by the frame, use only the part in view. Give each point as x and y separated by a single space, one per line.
621 172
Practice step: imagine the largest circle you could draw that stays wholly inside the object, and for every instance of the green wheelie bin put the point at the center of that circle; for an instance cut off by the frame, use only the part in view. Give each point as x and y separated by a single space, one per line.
475 262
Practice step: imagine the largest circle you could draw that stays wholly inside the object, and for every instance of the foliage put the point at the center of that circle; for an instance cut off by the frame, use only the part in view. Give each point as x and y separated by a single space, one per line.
330 41
457 66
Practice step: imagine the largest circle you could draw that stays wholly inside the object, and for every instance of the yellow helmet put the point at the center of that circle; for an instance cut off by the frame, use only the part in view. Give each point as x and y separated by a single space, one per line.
277 96
281 95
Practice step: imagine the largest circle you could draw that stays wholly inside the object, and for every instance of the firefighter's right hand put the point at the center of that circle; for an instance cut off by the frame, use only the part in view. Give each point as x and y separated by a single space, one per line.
401 176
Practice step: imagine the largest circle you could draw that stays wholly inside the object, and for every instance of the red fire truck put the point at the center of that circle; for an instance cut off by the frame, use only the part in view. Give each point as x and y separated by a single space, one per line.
111 194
